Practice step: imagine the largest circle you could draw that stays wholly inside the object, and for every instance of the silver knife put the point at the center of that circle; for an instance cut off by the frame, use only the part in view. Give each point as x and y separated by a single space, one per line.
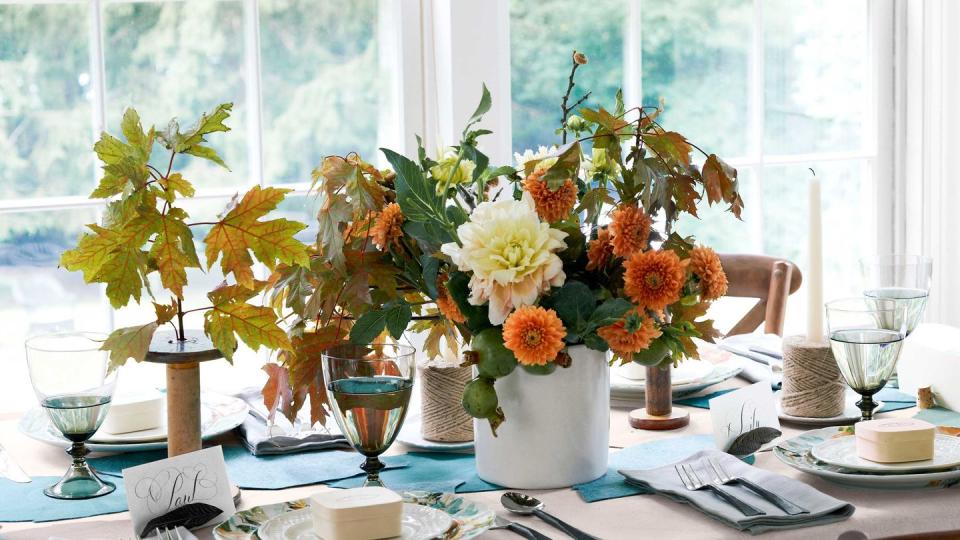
522 530
10 469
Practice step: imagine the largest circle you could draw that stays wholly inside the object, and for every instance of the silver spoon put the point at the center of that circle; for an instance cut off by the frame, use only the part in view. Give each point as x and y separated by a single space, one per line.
520 503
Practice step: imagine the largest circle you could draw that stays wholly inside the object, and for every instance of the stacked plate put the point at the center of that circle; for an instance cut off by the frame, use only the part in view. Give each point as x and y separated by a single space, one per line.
830 453
218 415
426 516
691 376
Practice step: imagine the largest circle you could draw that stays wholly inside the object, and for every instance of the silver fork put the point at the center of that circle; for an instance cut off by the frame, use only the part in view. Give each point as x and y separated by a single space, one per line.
722 478
691 480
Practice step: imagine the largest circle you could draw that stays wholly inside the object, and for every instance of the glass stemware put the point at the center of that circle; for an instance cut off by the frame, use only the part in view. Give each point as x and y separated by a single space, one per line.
70 378
369 387
902 278
865 336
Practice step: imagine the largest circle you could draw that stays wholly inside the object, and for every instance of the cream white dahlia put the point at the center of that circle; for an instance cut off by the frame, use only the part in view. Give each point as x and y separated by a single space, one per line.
510 254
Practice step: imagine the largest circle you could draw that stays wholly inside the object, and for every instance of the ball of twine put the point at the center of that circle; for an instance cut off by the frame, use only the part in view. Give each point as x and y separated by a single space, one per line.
812 384
441 391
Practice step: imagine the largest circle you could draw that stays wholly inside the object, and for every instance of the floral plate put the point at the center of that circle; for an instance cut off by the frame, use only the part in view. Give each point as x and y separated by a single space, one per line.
796 453
471 519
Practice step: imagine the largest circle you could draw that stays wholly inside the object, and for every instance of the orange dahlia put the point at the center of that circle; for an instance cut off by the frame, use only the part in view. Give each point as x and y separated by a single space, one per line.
705 264
600 250
623 342
654 279
552 205
534 335
630 229
446 304
387 229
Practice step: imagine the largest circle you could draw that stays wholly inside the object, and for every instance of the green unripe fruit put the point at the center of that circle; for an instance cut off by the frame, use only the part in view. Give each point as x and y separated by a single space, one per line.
480 399
652 355
545 369
494 360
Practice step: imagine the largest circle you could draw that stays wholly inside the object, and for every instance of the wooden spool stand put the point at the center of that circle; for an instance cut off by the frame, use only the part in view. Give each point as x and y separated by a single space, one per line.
183 385
659 413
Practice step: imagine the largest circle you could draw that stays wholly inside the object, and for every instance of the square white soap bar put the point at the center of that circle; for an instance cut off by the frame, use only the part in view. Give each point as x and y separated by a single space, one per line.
895 440
134 412
365 513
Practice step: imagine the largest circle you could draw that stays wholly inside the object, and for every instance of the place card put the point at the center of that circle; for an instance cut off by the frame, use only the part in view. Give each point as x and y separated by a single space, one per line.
743 411
191 490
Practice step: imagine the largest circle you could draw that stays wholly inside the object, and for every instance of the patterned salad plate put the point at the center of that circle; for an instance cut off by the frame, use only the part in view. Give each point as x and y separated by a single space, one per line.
419 523
691 377
218 415
279 521
842 452
797 453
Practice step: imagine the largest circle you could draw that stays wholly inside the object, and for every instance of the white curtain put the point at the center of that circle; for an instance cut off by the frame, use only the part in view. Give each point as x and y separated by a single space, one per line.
926 198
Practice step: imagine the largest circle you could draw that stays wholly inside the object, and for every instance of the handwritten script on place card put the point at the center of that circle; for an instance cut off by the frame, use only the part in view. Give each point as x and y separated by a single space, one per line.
158 488
741 411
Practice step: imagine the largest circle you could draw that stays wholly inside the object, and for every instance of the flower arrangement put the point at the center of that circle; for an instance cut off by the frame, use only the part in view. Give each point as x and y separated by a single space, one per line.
572 246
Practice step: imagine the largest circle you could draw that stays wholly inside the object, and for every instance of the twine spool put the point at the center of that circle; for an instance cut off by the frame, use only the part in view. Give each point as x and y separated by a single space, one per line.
812 384
441 391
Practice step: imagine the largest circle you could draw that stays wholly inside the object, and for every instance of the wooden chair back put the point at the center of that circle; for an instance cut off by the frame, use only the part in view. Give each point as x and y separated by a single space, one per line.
768 279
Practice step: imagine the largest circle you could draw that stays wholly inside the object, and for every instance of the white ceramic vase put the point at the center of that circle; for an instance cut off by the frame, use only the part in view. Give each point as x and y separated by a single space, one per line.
557 431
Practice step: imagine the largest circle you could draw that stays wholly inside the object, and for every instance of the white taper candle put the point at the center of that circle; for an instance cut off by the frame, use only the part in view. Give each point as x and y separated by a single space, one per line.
814 277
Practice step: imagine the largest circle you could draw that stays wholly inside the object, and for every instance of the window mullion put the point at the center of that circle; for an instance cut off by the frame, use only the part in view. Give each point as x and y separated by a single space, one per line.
252 80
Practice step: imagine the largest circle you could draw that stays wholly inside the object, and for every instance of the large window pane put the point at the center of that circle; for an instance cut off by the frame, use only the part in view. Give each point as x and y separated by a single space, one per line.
848 233
321 83
180 59
543 35
696 57
817 73
45 92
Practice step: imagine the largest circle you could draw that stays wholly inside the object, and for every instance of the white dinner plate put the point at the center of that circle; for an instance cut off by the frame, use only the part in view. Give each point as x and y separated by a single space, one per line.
687 372
850 415
842 452
218 415
795 452
411 436
629 390
419 523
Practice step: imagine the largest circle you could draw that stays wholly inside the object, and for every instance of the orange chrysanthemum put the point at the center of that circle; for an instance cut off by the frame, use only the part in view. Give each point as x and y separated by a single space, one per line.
600 250
654 279
630 229
551 205
623 342
705 264
445 303
534 335
387 229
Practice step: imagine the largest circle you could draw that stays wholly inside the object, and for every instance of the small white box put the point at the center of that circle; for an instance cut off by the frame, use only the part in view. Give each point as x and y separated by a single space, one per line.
931 357
895 440
366 513
134 412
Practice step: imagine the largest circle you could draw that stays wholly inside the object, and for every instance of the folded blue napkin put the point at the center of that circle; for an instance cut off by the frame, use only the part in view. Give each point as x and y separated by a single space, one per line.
26 502
431 471
939 416
265 472
642 456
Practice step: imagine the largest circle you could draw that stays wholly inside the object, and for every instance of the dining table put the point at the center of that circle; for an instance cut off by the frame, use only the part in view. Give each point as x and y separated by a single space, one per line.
879 513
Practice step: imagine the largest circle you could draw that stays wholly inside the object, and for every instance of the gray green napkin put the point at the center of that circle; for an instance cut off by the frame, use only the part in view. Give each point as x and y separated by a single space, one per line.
665 481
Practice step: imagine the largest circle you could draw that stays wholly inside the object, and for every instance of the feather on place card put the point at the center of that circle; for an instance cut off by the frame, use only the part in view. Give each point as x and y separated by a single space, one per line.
191 490
745 419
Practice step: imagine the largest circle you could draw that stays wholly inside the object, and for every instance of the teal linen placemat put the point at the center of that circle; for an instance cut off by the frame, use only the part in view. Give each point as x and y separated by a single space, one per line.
893 399
265 472
431 471
642 456
939 416
26 502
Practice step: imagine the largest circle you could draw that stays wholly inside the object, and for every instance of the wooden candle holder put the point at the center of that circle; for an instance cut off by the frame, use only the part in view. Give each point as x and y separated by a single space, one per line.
182 359
659 413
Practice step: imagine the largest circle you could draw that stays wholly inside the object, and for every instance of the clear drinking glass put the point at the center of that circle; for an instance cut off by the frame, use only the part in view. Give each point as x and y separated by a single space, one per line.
369 387
902 278
70 378
865 336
